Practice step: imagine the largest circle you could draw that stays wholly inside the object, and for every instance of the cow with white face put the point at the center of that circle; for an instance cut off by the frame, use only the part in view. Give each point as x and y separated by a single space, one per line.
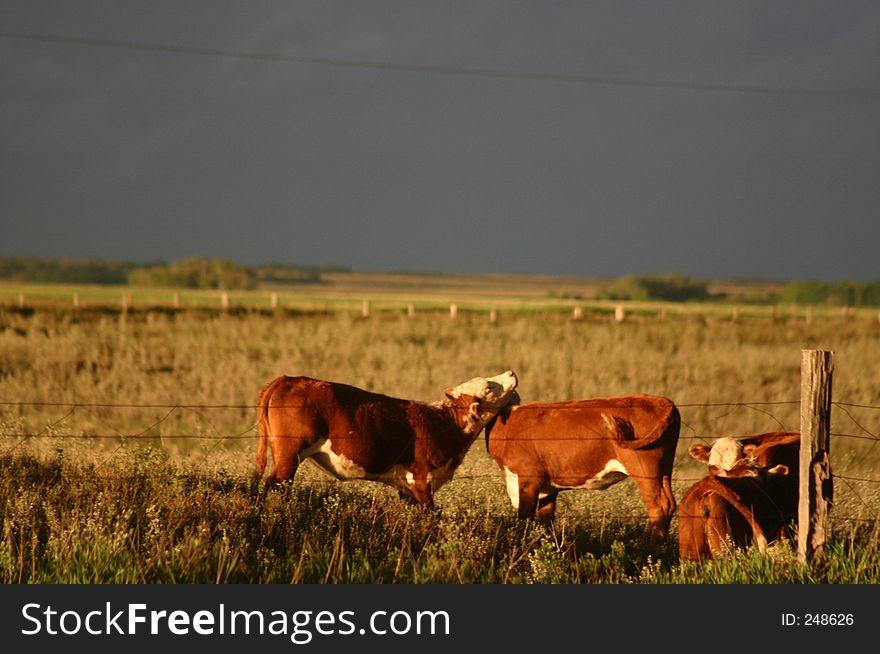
352 433
724 453
749 497
760 452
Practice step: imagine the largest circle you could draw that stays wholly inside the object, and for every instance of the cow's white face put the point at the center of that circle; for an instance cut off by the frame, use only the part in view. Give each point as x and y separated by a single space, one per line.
725 453
493 393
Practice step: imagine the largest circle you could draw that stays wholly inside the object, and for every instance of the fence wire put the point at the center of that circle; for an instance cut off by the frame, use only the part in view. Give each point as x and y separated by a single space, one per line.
248 433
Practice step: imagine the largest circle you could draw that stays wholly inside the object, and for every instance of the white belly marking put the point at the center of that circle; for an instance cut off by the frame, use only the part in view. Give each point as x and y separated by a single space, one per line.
511 480
338 465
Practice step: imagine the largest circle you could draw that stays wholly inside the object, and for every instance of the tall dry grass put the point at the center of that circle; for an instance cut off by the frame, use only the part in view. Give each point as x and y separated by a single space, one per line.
184 384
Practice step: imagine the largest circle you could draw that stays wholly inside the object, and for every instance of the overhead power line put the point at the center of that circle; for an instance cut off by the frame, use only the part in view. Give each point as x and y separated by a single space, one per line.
443 70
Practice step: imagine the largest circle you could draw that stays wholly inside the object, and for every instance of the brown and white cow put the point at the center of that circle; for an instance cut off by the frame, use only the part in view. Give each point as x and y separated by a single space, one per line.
546 447
761 451
352 433
749 497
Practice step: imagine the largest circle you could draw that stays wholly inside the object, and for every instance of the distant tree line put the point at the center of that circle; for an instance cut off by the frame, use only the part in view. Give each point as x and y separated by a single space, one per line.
193 272
208 273
70 271
674 288
852 294
678 288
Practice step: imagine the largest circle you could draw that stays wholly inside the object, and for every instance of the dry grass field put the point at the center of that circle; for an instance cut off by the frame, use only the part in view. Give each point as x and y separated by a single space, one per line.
127 436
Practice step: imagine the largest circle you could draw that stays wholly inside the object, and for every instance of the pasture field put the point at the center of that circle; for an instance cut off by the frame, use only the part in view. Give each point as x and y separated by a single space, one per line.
347 291
127 438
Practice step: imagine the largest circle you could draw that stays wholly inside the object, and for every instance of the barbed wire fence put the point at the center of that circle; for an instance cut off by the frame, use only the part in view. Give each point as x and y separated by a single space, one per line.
848 471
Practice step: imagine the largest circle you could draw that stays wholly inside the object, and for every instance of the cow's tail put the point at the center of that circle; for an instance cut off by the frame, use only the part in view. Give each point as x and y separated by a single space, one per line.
620 428
263 423
666 429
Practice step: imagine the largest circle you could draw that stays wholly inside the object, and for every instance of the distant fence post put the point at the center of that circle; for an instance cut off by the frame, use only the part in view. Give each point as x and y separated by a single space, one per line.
410 309
619 313
815 464
365 308
224 300
273 300
453 310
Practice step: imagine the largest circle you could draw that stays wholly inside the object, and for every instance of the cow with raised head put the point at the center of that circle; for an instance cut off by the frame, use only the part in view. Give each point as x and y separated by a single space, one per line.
749 497
352 433
547 447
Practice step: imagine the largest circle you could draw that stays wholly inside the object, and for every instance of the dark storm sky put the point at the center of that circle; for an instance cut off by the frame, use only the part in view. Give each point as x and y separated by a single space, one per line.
713 139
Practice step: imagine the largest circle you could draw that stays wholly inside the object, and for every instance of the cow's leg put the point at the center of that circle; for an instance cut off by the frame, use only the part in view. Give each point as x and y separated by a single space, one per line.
286 457
660 502
292 434
529 487
283 471
547 508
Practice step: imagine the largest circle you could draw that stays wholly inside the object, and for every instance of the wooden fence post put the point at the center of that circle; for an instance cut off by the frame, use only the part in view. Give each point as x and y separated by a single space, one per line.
365 308
815 464
453 310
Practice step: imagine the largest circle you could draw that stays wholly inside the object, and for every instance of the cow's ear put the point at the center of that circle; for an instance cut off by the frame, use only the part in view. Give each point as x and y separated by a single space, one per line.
450 393
780 470
748 449
474 410
700 452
